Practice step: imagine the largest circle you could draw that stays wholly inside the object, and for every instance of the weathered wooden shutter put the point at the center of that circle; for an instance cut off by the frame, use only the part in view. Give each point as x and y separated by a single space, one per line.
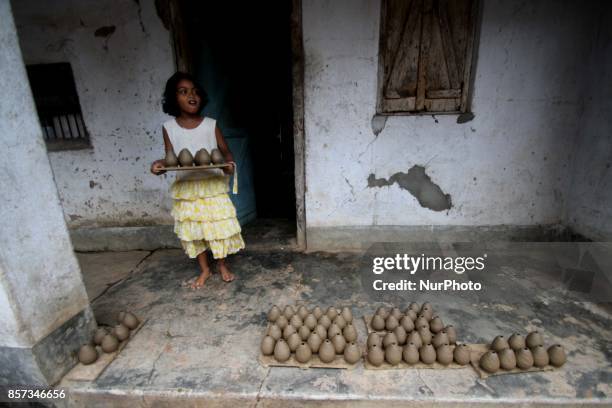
425 55
171 14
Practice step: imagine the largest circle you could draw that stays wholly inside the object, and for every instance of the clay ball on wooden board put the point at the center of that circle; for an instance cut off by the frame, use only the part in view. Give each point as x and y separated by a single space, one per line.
378 322
202 157
393 354
461 354
327 352
507 359
557 355
534 339
314 342
130 321
274 313
87 354
516 341
99 335
217 157
304 332
282 322
288 312
375 355
427 353
347 314
303 353
303 312
352 354
170 160
490 362
120 316
121 332
267 345
410 354
281 351
373 339
331 313
185 158
499 343
109 343
444 354
524 359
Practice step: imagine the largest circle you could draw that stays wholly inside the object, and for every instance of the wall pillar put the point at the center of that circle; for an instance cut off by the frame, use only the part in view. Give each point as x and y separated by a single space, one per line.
44 310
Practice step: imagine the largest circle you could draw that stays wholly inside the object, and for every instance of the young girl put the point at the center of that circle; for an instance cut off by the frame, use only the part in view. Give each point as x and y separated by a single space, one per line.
204 216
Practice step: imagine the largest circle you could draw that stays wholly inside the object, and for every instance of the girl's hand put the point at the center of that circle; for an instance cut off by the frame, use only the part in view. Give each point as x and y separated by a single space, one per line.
157 166
229 169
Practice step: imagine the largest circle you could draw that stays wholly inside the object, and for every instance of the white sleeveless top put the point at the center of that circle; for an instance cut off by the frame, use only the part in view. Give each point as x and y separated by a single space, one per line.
202 136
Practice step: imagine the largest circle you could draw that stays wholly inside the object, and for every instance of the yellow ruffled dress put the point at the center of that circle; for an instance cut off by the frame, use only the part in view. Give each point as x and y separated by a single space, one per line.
204 215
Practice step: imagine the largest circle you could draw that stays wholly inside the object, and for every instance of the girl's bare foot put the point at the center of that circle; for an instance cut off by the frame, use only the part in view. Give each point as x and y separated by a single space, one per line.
226 274
199 283
203 261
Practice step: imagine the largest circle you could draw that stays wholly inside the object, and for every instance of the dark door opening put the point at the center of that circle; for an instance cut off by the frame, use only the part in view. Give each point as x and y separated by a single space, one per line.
241 54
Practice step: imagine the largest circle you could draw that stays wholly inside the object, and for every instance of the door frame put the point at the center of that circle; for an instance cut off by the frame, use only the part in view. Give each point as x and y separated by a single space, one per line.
170 13
299 143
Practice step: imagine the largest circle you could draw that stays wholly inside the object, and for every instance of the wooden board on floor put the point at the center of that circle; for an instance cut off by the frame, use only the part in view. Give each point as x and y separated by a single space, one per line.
479 349
315 362
91 372
181 168
404 365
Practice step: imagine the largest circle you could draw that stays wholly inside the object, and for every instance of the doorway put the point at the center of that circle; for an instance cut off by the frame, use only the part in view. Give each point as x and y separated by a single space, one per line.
241 53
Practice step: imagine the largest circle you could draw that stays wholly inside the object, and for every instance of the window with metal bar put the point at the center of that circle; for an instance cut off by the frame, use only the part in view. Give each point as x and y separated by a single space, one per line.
57 103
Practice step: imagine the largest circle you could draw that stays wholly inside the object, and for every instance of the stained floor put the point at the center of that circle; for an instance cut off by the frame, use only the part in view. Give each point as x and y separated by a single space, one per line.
202 346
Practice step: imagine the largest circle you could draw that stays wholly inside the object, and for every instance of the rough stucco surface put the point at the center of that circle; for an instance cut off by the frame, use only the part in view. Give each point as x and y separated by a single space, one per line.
39 274
590 208
119 77
509 165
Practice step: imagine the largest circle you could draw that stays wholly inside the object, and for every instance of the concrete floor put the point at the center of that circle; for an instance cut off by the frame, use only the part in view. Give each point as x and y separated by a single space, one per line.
200 348
99 274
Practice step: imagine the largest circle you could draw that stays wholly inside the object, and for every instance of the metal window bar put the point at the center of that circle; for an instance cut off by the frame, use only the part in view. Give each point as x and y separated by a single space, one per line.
58 107
63 127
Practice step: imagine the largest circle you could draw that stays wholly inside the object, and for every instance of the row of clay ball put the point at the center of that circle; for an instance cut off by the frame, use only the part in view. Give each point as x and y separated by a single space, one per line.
413 336
109 340
311 332
186 159
522 353
389 350
420 328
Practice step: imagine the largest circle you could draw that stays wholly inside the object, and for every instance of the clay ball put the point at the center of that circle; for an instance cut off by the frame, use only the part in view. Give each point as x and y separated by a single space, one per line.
109 343
87 354
121 332
130 321
99 335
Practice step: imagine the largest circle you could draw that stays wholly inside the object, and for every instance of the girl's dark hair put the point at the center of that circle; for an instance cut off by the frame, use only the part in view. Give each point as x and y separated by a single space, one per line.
169 104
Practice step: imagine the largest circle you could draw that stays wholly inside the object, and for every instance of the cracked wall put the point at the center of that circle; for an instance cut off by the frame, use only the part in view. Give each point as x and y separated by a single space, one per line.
509 165
121 57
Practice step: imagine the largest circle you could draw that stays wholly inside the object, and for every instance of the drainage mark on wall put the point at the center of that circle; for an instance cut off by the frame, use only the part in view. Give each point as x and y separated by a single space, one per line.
419 184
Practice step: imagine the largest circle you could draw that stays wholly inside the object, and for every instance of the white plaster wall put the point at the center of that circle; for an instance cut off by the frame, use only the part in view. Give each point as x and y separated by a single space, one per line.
39 274
590 204
119 82
510 165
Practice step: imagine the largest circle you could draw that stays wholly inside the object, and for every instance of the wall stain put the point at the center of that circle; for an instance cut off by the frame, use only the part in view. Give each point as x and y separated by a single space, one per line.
105 31
419 184
378 124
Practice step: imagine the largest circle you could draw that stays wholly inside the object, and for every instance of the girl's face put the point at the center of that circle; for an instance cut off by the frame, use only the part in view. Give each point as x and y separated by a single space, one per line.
187 97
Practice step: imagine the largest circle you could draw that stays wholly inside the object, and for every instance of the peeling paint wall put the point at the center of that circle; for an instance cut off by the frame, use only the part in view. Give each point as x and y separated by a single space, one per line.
121 57
511 164
590 204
